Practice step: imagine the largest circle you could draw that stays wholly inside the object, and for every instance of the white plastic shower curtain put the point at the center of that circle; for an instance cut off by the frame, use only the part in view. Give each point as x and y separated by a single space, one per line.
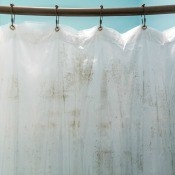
86 102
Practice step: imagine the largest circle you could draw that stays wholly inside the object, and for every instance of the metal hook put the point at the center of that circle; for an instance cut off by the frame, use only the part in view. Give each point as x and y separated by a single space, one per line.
57 19
12 27
101 19
144 27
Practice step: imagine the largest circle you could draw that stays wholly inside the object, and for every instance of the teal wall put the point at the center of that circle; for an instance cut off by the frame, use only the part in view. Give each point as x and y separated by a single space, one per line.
119 23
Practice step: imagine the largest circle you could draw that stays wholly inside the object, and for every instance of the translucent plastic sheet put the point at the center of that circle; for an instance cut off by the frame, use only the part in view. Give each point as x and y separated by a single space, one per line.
86 102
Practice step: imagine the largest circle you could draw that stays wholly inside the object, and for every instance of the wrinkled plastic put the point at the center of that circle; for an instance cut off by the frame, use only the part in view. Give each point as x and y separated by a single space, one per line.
86 102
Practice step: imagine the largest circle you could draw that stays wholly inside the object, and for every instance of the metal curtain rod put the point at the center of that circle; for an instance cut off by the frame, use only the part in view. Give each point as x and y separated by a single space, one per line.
132 11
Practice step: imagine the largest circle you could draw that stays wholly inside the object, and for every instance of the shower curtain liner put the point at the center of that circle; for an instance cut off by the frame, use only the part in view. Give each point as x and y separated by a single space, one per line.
86 102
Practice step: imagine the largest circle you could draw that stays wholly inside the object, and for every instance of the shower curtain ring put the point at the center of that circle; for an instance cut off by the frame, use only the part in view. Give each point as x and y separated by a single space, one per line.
12 27
144 18
101 18
57 19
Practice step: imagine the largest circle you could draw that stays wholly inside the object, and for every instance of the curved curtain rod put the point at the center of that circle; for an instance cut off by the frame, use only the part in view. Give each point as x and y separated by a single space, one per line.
132 11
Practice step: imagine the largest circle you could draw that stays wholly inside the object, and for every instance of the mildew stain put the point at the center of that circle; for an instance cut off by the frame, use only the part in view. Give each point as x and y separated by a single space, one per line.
104 128
85 70
105 125
52 90
140 162
14 88
75 124
69 80
53 113
104 159
75 112
52 125
143 98
64 97
152 132
104 86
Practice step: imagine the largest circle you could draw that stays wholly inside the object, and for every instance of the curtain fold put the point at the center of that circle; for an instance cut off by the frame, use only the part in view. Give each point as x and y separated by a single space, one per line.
86 102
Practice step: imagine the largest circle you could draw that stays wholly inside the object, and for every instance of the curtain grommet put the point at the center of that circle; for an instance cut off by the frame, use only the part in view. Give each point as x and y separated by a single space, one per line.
12 27
100 28
144 27
57 29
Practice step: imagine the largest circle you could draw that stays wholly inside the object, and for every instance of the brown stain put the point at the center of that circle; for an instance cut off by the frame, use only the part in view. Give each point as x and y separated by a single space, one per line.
85 70
104 85
75 124
150 145
54 93
104 159
101 153
75 112
52 125
140 162
116 72
44 126
105 125
152 132
69 80
14 88
52 90
53 113
104 128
